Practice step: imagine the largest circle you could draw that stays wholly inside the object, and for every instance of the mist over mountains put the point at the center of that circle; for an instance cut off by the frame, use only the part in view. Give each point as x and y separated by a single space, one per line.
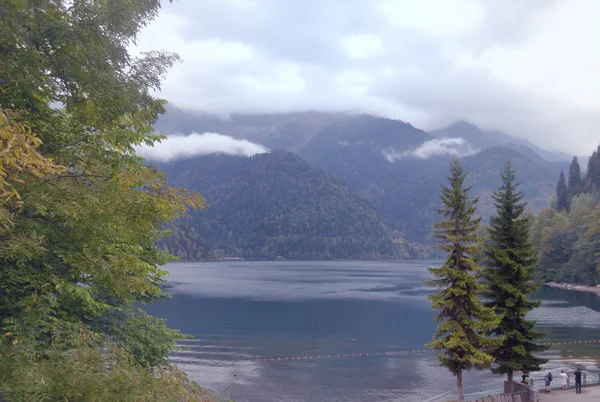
177 147
330 185
291 131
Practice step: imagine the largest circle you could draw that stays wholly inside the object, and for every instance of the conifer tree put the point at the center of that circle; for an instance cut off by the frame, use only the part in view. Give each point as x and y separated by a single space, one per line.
574 183
593 170
509 270
464 321
562 196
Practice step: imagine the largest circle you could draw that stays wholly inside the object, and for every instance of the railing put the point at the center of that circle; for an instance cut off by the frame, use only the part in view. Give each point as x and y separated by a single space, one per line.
586 380
518 396
497 395
514 397
478 396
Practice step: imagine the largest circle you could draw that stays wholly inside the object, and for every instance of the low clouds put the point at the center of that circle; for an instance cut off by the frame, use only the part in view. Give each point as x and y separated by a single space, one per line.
524 67
438 147
444 146
181 147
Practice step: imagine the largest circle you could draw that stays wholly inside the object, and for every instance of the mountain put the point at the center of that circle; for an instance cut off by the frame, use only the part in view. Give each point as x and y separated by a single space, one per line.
292 131
276 204
353 148
536 176
286 131
405 190
363 187
365 133
489 138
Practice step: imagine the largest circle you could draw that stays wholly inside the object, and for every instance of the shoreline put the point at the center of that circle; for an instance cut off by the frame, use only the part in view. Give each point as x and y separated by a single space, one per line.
570 286
235 259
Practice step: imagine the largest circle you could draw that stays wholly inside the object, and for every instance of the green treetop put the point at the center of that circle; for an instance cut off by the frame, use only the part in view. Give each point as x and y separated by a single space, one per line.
80 213
593 171
464 321
509 271
575 181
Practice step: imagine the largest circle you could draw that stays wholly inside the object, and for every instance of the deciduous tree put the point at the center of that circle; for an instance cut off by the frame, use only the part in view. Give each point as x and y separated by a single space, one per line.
77 250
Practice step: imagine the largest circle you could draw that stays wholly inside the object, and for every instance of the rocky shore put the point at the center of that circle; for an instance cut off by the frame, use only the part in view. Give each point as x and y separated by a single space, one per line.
570 286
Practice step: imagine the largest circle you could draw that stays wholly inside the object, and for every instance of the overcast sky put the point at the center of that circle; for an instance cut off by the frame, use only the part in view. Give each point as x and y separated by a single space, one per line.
528 67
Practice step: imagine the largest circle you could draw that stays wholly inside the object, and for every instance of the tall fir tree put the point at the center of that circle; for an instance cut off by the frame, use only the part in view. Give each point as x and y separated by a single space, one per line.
464 321
574 183
510 260
562 195
593 170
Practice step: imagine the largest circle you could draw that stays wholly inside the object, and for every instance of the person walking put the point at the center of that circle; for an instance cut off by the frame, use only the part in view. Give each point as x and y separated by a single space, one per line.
548 378
578 381
564 380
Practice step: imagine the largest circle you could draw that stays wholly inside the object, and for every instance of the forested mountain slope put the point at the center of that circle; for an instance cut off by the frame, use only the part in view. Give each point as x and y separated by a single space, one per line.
382 179
404 187
568 239
275 204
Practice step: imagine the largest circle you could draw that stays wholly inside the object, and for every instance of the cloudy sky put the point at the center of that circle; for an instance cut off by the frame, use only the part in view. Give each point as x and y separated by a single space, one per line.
528 67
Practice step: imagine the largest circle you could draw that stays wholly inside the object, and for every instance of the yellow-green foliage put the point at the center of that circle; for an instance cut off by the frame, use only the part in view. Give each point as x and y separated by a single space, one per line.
18 157
84 373
568 236
568 242
79 211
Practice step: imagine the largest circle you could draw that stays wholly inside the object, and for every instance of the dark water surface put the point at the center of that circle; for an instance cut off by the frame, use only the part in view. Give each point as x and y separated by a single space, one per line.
249 310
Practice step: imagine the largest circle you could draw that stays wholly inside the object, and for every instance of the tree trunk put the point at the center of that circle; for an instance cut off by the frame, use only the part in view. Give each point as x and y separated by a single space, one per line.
459 387
509 385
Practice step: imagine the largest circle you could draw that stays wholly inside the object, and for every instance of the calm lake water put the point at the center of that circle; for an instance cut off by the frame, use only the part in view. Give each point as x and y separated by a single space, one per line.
255 310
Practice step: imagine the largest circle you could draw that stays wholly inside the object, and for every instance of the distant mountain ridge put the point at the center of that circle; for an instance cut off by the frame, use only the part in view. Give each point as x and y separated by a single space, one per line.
288 131
358 202
292 131
406 190
485 139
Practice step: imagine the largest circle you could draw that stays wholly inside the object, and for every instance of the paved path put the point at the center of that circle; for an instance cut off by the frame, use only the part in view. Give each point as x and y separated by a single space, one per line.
590 394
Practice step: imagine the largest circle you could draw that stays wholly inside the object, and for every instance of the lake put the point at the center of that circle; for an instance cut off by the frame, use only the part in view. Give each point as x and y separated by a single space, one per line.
247 312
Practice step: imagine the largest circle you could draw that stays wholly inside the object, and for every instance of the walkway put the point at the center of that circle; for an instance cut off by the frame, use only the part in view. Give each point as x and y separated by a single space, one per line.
590 394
